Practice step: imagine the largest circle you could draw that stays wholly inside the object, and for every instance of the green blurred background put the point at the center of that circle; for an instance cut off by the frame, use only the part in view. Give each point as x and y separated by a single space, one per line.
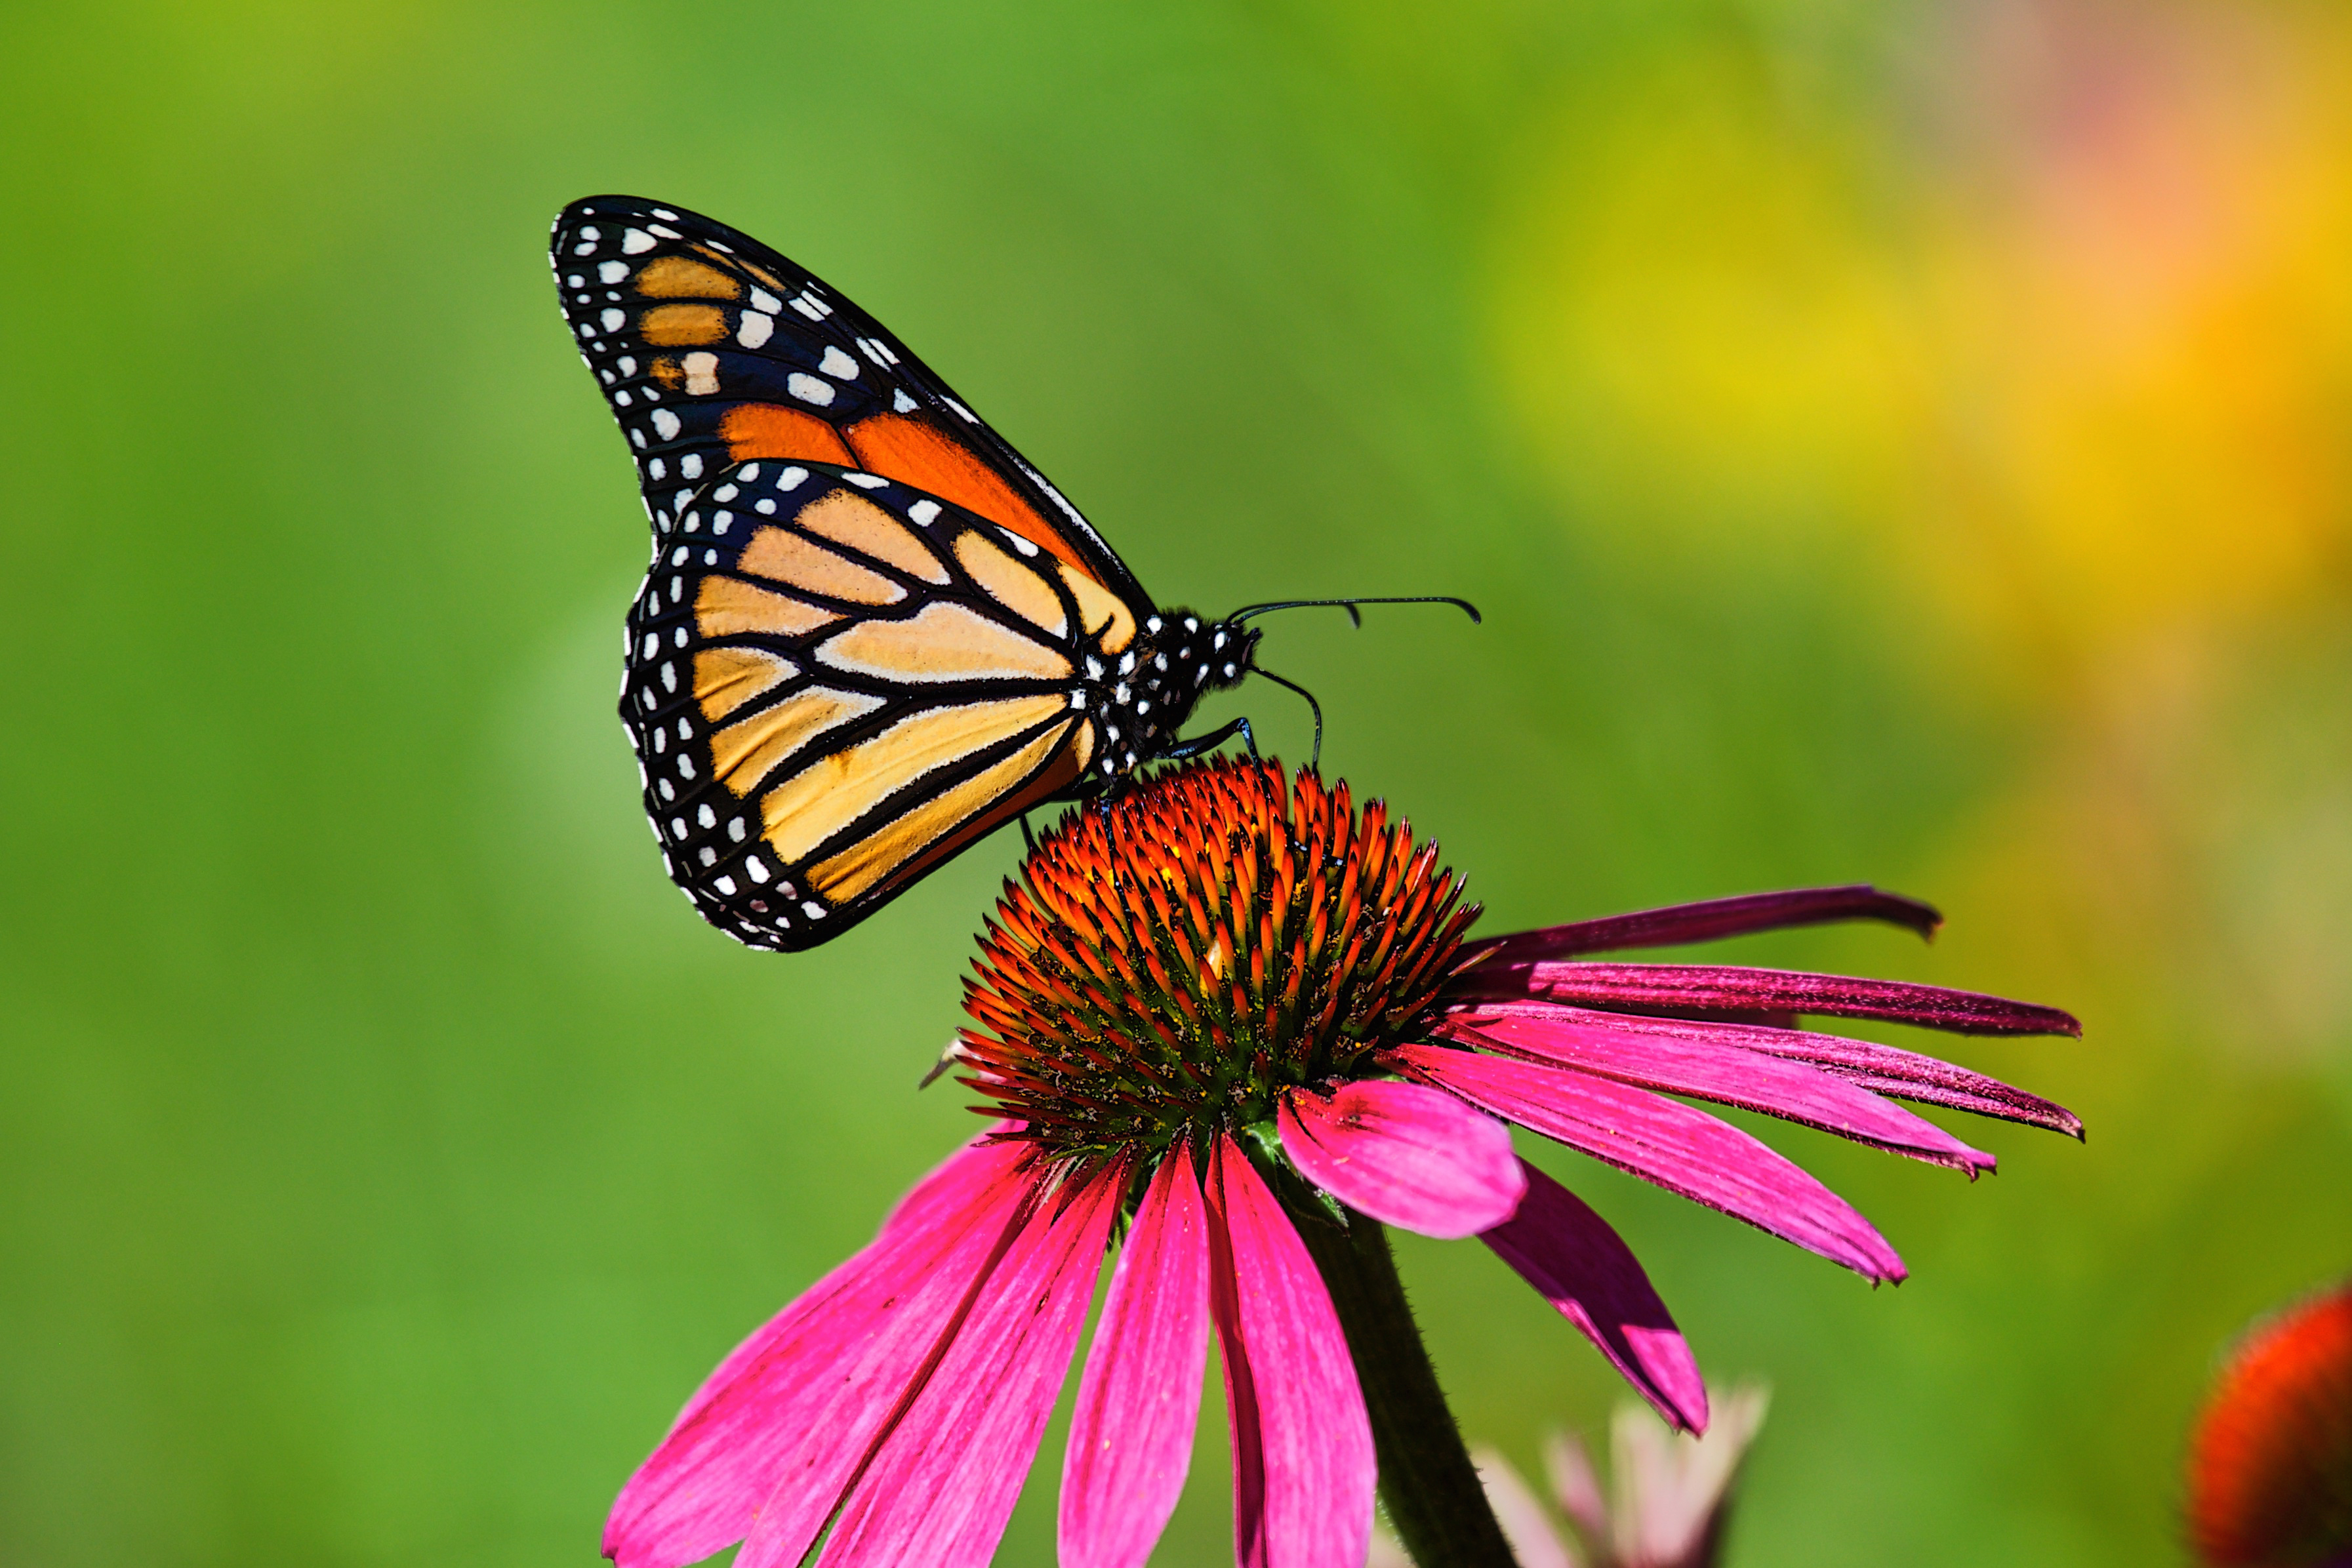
1897 442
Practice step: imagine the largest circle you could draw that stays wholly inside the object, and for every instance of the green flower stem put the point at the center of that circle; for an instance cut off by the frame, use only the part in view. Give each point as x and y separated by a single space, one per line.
1426 1478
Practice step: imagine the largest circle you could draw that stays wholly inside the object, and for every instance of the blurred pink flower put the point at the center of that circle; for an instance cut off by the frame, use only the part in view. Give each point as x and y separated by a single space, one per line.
1672 1492
1221 987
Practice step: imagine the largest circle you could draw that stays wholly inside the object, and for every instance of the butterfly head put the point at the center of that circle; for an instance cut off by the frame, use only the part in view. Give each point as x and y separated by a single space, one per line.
1146 695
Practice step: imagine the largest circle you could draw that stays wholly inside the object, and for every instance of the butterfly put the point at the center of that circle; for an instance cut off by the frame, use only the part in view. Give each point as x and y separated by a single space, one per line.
872 632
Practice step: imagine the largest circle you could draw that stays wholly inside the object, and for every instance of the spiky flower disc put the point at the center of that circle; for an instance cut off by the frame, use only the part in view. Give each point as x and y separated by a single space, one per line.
1174 963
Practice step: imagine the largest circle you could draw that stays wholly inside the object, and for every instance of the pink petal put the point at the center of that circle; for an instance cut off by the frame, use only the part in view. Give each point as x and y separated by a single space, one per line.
1576 1486
1882 1069
804 1396
1666 1142
1303 1467
1704 988
939 1488
1406 1154
1710 921
1584 1269
1139 1397
952 1184
1709 1068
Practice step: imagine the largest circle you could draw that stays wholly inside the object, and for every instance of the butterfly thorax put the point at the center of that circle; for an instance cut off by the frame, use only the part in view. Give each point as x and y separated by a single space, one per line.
1144 696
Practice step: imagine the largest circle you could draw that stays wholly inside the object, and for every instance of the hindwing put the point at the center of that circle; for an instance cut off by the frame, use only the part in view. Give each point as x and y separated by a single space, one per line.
836 680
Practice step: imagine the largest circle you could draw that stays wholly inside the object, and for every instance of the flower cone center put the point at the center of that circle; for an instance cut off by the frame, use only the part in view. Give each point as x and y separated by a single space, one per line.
1173 963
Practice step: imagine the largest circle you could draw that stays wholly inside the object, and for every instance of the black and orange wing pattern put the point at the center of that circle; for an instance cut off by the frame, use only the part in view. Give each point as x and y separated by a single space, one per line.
870 632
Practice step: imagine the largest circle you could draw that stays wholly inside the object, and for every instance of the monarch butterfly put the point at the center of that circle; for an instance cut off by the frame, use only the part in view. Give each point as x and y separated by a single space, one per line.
871 632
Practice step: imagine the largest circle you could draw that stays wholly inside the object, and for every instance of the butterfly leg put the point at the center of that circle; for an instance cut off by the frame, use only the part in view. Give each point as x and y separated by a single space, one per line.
1028 836
1199 745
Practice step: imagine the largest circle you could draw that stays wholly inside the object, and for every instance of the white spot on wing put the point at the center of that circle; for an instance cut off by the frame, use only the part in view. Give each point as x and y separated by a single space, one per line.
809 388
755 328
666 423
924 512
637 241
838 365
701 374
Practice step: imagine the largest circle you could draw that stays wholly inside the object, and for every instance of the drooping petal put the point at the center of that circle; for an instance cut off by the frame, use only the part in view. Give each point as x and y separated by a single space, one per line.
804 1397
1708 1069
941 1485
1404 1154
1682 924
1666 1142
1704 988
1140 1396
1303 1466
1581 1266
1881 1069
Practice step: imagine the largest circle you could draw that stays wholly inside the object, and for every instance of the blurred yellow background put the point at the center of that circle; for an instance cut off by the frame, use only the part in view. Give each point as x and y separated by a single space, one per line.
1896 443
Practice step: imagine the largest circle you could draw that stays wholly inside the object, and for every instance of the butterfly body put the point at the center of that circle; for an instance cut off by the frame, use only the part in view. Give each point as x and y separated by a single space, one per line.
870 632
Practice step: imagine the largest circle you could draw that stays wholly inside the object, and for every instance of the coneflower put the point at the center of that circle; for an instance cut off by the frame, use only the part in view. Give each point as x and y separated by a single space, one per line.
1236 1025
2270 1463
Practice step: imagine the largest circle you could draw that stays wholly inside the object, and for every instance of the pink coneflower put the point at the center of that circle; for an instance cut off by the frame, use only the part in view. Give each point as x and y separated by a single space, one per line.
1237 1026
1672 1491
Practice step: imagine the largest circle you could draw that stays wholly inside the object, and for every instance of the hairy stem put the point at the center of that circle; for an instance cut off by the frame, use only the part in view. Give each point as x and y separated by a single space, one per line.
1426 1478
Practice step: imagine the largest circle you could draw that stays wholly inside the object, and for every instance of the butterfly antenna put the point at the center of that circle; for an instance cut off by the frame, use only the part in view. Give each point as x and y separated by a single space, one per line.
1317 759
1349 605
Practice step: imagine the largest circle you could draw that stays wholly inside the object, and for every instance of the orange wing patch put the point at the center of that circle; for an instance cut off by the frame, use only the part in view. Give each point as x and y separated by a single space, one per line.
1013 585
917 453
887 850
673 325
728 607
808 566
1101 610
853 520
833 791
743 754
680 278
726 678
771 430
945 643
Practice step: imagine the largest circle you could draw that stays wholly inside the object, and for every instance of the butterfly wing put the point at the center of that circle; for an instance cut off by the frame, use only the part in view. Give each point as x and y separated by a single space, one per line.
836 682
711 349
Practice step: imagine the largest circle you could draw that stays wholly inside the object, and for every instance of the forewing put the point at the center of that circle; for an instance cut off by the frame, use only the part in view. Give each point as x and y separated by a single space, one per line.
711 349
835 683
